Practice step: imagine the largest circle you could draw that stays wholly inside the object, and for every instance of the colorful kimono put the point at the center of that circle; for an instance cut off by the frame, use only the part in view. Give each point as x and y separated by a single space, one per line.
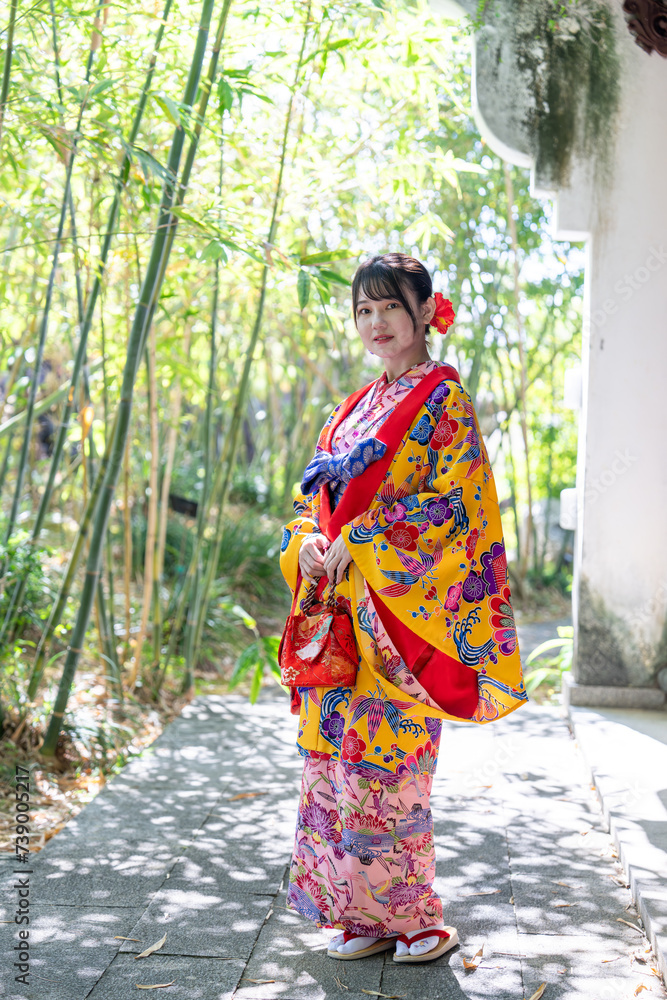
402 473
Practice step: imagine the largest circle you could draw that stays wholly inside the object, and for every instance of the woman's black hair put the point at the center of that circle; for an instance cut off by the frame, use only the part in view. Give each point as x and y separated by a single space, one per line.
386 276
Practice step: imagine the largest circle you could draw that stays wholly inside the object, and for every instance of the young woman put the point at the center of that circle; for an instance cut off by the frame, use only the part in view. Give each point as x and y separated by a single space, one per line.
398 509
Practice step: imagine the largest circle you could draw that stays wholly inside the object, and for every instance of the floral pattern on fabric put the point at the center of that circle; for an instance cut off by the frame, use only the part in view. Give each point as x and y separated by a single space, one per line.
364 859
431 545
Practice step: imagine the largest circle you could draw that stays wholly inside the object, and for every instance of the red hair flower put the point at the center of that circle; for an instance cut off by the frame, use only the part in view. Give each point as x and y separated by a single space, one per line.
444 313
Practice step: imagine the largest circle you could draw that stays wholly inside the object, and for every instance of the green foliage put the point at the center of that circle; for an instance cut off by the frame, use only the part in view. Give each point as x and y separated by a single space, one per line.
551 668
249 559
22 560
255 660
382 154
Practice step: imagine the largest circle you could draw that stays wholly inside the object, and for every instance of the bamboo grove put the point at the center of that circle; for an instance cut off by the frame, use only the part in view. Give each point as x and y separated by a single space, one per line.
186 190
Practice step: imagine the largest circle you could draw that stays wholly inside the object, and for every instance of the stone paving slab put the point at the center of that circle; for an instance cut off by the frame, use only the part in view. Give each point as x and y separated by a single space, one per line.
291 951
114 878
200 830
200 920
585 967
234 864
192 978
575 907
71 946
628 767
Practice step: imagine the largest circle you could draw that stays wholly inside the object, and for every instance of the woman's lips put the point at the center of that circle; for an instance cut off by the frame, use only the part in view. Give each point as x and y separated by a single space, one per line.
383 339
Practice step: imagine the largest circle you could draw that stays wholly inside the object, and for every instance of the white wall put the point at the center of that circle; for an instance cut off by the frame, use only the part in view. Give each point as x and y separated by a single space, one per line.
620 587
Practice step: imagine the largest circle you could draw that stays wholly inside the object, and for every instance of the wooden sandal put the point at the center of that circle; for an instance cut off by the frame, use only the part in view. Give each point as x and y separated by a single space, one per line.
378 945
449 937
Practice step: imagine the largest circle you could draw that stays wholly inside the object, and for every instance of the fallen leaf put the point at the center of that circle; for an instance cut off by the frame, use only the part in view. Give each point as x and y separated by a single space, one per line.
245 795
263 981
158 986
485 892
117 937
634 926
561 970
268 915
512 900
640 988
341 984
389 996
153 947
611 959
472 963
563 904
538 993
567 885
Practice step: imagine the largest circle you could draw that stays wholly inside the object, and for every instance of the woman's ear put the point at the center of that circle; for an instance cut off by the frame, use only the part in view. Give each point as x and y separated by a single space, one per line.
428 309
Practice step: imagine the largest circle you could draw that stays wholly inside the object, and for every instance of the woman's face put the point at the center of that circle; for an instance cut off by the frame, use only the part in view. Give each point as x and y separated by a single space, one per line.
386 328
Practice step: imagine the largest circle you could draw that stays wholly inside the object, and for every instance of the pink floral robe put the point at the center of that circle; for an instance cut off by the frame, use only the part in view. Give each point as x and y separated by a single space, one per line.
364 858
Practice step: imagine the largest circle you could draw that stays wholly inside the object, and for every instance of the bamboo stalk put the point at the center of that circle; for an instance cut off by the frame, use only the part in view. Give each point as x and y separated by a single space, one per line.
189 161
39 354
8 64
237 416
19 360
127 534
190 633
66 584
151 526
172 437
148 295
79 360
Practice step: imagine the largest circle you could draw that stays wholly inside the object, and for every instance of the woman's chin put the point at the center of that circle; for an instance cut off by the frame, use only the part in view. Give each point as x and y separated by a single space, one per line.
388 349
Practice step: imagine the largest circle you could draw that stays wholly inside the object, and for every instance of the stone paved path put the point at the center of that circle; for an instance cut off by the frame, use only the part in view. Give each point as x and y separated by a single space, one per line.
193 839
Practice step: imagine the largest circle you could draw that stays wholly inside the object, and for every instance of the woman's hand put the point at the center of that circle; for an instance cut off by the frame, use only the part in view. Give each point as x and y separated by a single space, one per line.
311 558
336 560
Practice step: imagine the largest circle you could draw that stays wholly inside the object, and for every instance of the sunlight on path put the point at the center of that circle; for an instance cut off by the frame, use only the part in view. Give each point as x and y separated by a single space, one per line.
194 838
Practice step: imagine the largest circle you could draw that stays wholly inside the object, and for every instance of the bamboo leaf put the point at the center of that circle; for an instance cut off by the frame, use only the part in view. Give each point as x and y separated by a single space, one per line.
256 682
100 87
148 163
326 255
153 947
225 95
271 645
328 276
245 617
244 664
303 288
169 107
214 251
544 646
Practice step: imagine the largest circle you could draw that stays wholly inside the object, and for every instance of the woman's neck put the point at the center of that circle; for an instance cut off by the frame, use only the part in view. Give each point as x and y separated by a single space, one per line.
395 367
